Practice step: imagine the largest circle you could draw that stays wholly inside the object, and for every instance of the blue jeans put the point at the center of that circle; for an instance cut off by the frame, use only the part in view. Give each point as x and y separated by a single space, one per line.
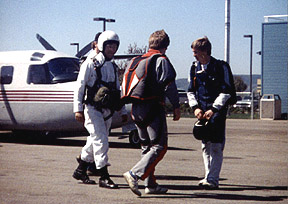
213 158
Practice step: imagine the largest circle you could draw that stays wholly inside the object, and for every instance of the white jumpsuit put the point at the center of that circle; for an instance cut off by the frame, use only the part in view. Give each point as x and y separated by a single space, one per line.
97 145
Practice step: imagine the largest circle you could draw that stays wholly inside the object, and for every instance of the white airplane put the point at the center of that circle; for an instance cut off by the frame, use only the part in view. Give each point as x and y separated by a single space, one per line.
37 93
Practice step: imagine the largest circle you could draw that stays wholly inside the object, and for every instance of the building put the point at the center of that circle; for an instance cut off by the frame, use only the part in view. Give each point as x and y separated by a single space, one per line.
274 58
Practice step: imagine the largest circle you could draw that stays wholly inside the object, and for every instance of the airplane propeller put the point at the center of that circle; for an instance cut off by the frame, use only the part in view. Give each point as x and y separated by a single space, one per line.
48 46
84 50
43 42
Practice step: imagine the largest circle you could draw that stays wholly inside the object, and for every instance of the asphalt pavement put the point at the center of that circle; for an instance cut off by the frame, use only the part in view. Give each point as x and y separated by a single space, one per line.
255 167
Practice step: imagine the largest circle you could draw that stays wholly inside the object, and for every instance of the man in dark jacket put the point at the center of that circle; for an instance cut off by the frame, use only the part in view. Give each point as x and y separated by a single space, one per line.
211 85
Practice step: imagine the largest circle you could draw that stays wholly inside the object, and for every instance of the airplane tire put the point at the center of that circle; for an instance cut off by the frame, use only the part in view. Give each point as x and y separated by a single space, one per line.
134 138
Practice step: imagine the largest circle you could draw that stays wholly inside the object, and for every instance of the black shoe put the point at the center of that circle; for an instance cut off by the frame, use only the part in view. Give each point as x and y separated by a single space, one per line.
107 183
79 175
80 172
92 171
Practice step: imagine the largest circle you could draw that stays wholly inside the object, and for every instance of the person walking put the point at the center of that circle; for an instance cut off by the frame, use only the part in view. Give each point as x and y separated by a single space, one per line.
96 73
148 112
91 169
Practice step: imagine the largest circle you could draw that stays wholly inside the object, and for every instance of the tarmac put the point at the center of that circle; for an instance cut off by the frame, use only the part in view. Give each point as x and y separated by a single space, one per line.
255 167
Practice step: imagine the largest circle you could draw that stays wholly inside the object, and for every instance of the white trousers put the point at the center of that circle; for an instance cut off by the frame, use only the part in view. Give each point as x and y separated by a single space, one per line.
97 145
213 159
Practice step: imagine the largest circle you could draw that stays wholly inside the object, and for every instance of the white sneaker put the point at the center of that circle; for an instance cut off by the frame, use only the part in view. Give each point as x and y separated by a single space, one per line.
201 182
157 190
208 186
133 184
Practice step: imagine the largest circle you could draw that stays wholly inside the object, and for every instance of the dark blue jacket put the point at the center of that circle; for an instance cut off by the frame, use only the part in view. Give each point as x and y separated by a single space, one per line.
210 89
216 82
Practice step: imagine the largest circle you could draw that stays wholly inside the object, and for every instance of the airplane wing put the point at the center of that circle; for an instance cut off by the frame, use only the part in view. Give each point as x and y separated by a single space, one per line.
83 51
129 56
43 42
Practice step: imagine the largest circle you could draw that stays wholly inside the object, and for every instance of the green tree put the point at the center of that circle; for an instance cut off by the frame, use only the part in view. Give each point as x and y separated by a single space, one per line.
122 64
239 84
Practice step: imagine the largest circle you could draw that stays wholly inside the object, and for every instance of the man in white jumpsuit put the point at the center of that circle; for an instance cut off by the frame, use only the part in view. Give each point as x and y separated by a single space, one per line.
91 169
95 119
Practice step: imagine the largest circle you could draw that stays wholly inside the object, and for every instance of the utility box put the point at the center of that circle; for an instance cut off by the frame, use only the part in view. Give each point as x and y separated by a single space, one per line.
270 107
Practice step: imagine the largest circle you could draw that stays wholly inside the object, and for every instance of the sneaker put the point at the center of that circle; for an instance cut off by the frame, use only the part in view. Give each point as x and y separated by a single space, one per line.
201 182
133 184
209 186
79 175
157 190
107 183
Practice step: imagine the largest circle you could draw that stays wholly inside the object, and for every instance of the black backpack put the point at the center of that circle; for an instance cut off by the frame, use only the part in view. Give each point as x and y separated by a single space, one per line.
233 99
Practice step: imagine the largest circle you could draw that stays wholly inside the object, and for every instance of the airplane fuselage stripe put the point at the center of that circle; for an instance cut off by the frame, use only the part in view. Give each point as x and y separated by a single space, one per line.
36 96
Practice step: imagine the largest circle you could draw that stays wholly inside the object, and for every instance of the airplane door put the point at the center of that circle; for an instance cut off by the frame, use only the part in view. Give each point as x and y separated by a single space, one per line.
6 114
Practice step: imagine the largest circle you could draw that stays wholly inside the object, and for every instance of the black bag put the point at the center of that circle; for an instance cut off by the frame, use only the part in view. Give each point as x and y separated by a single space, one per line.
202 130
108 98
104 94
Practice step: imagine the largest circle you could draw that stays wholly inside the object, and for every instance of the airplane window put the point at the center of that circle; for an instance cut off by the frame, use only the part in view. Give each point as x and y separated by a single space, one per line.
6 74
58 70
38 74
63 70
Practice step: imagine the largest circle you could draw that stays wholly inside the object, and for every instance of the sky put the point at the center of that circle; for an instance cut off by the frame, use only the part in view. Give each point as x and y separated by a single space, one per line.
63 22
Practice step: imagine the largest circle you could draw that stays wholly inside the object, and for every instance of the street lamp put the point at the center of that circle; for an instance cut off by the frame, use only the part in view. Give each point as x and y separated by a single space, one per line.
251 48
77 44
104 21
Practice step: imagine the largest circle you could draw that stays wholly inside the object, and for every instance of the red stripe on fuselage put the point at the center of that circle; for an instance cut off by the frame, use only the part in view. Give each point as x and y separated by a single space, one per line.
36 96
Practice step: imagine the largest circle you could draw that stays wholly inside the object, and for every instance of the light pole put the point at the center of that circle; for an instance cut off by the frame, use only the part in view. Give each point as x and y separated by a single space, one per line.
77 44
227 32
104 21
251 51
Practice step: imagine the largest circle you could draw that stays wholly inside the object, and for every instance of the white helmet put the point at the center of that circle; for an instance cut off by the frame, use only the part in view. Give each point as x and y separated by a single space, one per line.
105 37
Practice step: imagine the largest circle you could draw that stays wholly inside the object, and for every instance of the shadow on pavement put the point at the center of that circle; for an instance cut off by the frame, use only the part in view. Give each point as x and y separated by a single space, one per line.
61 139
233 187
219 196
211 194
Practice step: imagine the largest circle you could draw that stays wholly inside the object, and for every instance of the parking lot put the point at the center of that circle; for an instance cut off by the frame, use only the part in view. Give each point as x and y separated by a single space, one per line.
255 167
